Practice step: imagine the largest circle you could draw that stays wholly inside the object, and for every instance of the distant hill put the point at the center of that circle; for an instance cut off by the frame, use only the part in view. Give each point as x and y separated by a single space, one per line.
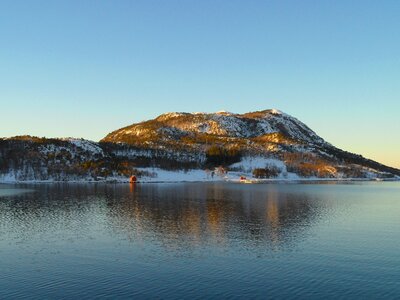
266 144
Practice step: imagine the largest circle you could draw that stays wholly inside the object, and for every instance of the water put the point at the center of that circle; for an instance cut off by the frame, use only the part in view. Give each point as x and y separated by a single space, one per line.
197 241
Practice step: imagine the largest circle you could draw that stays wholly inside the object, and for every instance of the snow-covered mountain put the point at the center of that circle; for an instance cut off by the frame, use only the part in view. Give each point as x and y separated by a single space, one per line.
260 124
264 144
229 138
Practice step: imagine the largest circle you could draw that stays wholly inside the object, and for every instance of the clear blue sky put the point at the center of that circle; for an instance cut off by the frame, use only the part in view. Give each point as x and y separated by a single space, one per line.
85 68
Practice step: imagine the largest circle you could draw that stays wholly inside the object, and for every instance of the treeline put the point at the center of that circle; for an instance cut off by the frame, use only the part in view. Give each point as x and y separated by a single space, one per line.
220 156
156 158
309 165
31 158
269 171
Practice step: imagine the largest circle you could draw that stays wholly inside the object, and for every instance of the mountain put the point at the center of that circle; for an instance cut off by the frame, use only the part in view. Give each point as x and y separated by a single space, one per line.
268 126
262 144
228 138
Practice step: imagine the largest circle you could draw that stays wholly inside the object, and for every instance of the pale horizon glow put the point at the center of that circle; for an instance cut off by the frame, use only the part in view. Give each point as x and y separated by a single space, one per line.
83 69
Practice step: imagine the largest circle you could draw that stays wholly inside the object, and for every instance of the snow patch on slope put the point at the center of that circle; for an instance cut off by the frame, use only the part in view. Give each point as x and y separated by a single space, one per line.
248 164
86 145
276 111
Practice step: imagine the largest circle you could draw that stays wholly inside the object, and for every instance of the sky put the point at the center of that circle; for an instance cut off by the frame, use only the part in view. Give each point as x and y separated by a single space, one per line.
86 68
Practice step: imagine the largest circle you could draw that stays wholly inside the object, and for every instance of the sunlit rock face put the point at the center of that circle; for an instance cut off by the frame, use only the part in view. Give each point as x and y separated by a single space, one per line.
220 124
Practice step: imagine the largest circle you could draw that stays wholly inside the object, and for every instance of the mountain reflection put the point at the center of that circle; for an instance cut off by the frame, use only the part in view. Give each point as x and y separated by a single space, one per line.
191 215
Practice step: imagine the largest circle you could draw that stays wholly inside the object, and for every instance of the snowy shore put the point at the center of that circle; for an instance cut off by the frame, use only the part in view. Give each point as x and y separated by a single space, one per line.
165 176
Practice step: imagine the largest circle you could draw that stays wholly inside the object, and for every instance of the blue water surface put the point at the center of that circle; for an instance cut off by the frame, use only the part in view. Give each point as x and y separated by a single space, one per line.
200 240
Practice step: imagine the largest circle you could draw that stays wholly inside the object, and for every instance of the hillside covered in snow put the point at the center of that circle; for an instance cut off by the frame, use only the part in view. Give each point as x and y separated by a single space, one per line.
262 144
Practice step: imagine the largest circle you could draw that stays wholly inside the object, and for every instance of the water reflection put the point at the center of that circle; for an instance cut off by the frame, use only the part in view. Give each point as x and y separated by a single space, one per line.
183 216
201 241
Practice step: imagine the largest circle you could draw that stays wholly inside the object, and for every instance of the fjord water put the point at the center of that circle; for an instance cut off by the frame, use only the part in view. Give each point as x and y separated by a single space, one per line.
200 240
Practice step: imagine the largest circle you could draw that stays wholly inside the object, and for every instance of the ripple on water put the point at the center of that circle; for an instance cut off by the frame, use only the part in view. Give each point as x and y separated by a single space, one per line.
200 241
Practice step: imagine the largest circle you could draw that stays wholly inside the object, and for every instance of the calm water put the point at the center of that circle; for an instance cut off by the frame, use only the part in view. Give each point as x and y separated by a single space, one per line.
200 241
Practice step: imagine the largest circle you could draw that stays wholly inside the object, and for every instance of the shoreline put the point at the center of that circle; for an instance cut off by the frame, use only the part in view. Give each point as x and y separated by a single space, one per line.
157 175
238 181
